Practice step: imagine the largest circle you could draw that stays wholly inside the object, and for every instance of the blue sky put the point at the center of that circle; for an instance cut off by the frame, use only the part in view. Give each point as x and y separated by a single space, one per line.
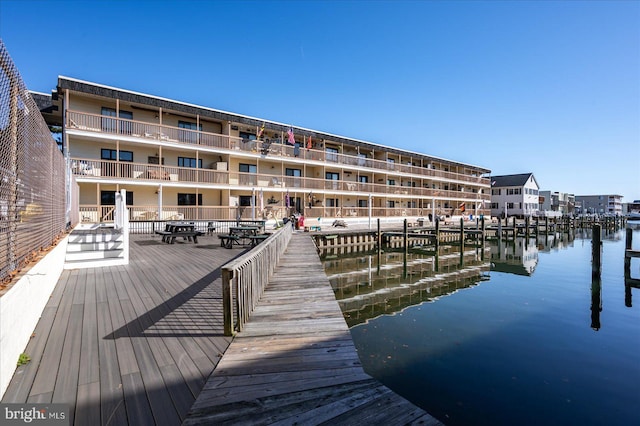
551 88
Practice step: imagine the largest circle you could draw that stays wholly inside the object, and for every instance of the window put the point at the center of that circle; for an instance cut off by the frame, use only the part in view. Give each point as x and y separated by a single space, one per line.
189 162
189 199
188 135
411 204
363 179
245 200
247 136
494 206
108 198
332 176
250 170
495 192
391 204
510 205
154 160
109 124
363 203
391 163
293 172
332 202
391 182
111 154
332 154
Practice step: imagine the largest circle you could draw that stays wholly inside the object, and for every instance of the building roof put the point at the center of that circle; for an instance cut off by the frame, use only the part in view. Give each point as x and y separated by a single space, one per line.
511 180
187 108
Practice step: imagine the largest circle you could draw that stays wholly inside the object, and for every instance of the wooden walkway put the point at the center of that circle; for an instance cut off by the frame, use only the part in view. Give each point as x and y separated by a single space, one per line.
130 344
295 362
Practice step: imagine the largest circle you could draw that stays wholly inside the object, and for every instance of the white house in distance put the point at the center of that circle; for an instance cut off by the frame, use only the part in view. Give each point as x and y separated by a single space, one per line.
514 195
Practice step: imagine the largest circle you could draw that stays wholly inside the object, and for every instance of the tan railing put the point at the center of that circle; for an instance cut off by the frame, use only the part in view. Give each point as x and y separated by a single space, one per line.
245 278
87 168
113 125
96 213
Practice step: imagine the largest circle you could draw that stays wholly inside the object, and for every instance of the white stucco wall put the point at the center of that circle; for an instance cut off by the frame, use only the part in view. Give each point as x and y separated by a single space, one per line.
21 307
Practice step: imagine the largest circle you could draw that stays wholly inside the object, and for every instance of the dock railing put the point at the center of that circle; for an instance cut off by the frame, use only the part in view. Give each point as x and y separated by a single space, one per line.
245 278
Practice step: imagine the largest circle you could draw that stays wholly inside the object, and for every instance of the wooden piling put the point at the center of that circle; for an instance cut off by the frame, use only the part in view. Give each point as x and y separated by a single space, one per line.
405 236
461 241
483 239
596 246
627 259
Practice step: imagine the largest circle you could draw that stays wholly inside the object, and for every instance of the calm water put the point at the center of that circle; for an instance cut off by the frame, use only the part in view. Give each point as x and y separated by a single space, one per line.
522 337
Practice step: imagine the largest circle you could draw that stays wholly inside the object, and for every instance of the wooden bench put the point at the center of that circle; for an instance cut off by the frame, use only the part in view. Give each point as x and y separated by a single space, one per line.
227 240
164 234
257 239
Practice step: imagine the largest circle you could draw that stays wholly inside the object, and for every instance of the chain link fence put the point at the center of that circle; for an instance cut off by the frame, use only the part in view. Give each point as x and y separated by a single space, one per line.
33 191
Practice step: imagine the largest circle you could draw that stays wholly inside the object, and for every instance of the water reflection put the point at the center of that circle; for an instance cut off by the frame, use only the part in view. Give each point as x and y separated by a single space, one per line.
368 285
596 301
371 283
516 350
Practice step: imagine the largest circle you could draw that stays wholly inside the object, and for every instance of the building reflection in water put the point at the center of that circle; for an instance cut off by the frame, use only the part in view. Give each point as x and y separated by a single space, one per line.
520 256
371 284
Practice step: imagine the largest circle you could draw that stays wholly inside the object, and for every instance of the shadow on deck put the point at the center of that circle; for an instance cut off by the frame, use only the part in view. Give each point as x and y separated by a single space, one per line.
130 344
295 361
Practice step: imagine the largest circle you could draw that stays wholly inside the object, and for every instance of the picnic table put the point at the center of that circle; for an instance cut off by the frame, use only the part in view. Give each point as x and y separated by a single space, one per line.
242 235
186 230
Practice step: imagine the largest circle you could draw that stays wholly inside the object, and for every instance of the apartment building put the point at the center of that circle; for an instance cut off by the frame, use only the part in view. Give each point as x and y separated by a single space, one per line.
514 195
560 203
182 161
600 204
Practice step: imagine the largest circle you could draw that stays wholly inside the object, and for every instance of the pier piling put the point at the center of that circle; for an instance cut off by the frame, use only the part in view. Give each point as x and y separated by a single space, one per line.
627 258
596 249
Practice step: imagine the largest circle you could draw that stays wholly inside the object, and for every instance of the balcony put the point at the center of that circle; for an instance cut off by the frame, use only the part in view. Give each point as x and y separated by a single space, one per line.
161 133
90 170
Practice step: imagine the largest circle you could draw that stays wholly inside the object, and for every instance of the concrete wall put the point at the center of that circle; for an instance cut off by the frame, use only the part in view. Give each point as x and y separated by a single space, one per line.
21 307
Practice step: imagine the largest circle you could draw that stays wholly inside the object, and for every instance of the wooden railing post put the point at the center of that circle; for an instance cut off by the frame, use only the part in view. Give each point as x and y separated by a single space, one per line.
227 301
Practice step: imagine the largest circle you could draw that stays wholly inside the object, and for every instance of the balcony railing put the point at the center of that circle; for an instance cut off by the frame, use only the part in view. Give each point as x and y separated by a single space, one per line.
138 129
95 213
105 169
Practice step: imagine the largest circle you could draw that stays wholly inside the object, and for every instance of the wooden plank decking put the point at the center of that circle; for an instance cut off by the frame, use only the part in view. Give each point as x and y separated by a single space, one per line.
130 344
295 362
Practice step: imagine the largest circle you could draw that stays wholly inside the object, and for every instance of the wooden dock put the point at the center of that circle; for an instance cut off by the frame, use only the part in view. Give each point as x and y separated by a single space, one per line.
130 344
295 362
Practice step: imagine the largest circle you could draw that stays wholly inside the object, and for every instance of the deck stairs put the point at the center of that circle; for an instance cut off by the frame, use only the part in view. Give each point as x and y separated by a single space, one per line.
94 245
